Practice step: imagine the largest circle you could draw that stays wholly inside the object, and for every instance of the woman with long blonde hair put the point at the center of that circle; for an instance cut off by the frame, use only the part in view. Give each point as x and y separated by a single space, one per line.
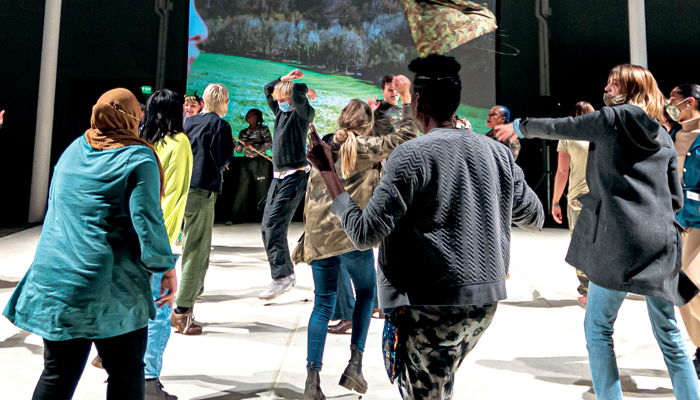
626 238
326 247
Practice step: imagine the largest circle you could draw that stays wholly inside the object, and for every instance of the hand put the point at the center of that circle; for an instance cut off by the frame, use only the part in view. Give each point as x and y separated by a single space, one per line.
1 114
311 94
319 154
296 74
373 103
556 213
403 87
505 133
168 288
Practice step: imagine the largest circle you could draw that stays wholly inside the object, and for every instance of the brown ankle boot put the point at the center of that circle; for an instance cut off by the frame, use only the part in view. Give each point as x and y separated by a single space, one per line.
352 378
312 390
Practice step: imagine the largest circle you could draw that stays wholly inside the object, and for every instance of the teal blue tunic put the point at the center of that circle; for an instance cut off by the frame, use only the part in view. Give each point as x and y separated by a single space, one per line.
102 238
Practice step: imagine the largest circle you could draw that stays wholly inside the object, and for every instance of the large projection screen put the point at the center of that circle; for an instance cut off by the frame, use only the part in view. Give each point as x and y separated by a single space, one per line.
344 47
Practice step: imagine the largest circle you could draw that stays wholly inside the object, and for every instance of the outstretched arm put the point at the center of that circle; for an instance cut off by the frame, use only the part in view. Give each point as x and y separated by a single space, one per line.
589 127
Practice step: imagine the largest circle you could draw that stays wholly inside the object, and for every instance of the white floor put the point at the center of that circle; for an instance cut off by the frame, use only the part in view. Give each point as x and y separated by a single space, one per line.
535 348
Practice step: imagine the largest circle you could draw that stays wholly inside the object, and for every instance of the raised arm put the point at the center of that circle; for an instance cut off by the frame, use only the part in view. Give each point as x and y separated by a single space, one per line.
378 148
271 102
147 215
301 102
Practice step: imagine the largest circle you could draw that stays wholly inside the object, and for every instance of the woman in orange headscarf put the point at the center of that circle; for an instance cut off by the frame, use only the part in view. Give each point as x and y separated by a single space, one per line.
102 238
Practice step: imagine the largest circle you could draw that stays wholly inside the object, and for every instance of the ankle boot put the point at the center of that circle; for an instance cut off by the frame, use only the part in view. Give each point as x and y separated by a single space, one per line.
312 390
352 378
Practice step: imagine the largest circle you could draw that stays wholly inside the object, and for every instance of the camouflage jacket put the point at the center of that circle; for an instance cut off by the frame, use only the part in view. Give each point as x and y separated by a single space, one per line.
259 137
438 26
323 234
514 145
387 119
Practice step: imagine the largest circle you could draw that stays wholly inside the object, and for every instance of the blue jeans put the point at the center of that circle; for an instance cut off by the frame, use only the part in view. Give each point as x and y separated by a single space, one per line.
158 333
345 303
601 312
360 266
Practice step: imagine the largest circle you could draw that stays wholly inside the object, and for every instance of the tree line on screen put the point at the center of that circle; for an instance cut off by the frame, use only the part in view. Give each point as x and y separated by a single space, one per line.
364 37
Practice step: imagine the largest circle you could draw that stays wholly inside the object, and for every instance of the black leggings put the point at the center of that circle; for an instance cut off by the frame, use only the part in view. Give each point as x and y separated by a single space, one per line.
122 358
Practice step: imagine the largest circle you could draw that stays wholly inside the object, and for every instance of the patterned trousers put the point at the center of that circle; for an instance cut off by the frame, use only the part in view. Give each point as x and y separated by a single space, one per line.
574 209
436 340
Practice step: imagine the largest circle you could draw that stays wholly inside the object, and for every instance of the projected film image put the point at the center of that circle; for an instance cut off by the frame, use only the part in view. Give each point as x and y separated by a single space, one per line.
343 47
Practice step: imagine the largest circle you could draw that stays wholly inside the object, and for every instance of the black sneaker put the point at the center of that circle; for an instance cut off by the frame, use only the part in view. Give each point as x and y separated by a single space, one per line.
154 391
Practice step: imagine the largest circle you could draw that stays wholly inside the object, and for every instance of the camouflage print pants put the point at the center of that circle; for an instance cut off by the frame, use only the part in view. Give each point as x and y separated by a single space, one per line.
436 340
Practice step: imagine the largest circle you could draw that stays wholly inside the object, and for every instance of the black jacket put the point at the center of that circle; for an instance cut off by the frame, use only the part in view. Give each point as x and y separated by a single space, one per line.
212 147
626 237
291 128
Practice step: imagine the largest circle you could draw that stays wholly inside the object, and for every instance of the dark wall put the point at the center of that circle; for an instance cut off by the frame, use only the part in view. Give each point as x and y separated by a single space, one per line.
587 39
21 27
102 45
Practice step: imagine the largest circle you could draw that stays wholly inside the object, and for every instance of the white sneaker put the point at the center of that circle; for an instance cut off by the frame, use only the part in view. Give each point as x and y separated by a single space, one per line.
278 287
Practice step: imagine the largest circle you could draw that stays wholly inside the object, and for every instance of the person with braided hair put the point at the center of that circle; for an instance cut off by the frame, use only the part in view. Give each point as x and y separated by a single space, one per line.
442 216
326 247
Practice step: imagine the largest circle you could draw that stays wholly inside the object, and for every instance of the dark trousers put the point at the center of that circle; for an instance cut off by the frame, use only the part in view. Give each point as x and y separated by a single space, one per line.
255 177
122 358
283 198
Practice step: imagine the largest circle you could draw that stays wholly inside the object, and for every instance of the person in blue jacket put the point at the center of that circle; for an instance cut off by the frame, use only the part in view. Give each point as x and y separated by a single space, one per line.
103 237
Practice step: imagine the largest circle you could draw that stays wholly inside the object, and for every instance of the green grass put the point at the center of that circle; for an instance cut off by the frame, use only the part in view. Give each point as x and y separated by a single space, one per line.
245 79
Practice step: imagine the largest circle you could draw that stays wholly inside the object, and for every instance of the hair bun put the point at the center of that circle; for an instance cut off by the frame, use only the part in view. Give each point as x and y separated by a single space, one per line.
341 135
435 66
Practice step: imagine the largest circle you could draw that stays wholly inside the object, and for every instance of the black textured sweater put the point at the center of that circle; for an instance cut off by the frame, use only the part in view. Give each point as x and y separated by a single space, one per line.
212 148
443 214
291 128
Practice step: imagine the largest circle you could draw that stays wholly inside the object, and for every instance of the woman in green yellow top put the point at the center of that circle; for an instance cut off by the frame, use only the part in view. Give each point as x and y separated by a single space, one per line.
163 129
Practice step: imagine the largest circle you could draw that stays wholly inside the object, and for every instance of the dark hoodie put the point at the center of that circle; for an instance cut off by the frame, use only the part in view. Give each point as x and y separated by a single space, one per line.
626 237
291 128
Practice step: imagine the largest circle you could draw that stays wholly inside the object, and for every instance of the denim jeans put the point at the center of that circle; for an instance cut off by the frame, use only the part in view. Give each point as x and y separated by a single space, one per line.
601 312
345 303
360 266
158 333
283 198
122 358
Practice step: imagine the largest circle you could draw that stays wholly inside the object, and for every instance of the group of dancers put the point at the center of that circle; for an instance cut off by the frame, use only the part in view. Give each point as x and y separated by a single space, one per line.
440 208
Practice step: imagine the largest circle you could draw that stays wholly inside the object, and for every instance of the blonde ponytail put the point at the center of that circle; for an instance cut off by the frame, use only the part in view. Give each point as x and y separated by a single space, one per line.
348 151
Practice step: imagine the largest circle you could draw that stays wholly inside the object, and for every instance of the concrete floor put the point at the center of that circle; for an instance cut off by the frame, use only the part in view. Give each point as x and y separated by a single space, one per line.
534 349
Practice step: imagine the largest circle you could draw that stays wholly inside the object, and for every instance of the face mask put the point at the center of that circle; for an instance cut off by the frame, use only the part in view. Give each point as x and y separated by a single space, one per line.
673 110
611 100
285 107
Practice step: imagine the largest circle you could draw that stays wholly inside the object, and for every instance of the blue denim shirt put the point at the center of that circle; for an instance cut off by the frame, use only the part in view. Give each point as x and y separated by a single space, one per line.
689 215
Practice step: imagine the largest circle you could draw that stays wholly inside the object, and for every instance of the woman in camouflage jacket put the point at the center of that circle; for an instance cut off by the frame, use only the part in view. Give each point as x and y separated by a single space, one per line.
325 246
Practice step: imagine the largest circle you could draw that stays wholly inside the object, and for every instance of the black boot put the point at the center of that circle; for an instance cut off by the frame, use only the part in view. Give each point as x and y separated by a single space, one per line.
696 362
312 390
352 378
154 391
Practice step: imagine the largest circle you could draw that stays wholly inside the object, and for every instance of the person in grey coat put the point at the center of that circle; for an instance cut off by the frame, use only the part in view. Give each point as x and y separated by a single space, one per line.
626 238
443 214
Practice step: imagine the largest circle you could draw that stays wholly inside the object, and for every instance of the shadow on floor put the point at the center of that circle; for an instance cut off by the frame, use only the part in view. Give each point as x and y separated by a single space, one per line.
241 390
18 340
254 329
540 302
8 284
238 250
576 371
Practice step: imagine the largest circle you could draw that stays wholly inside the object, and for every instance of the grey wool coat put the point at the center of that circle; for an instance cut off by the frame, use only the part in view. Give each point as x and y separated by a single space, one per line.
626 237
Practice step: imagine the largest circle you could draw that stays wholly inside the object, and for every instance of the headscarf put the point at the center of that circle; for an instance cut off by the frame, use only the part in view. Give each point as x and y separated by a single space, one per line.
115 123
438 26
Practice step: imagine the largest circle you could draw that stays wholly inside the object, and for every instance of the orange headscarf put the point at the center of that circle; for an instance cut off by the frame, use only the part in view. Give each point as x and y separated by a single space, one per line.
115 123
